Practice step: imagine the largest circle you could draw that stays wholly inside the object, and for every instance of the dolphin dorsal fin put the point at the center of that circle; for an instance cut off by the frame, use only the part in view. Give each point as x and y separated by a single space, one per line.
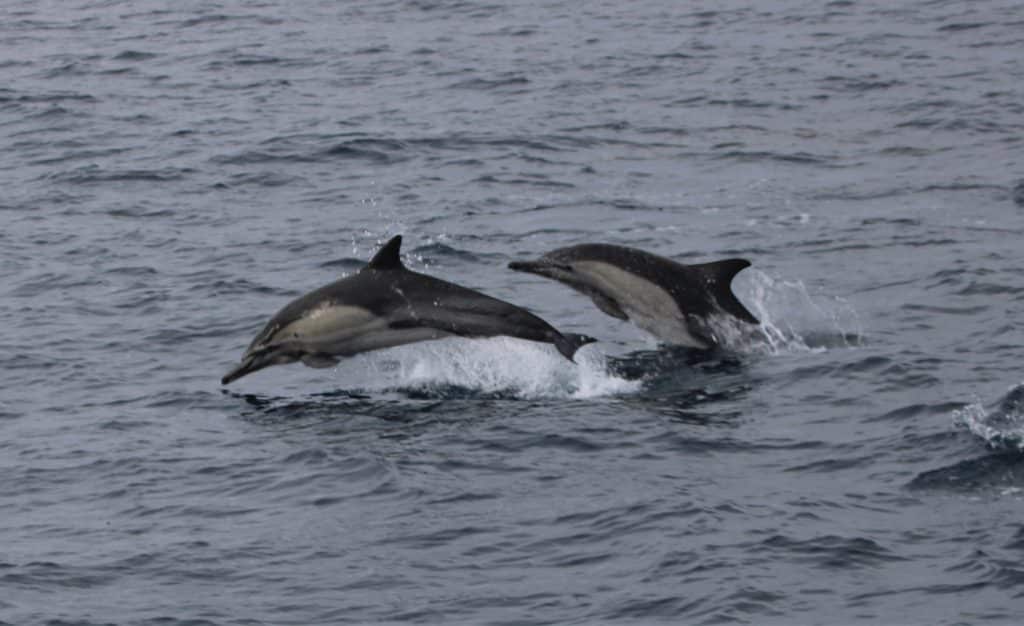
387 257
718 277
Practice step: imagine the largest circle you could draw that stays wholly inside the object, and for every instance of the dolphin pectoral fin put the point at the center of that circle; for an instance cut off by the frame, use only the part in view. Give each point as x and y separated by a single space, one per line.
607 305
718 277
318 360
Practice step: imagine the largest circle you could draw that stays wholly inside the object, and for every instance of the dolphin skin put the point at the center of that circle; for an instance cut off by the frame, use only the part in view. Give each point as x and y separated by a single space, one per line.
384 305
672 301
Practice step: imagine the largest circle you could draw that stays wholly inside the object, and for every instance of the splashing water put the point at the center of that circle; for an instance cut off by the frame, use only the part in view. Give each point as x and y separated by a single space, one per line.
1001 426
497 365
791 319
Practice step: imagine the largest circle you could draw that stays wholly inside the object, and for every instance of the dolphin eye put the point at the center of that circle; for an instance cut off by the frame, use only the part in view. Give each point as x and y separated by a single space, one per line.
566 267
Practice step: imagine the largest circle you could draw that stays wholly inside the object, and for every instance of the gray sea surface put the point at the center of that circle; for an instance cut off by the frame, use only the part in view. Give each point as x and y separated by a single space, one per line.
172 174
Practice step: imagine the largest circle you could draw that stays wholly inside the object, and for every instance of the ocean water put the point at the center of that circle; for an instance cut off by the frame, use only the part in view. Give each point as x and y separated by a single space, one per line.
172 175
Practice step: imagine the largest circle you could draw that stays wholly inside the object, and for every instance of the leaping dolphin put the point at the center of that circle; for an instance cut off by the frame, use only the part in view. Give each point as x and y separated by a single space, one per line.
384 305
670 300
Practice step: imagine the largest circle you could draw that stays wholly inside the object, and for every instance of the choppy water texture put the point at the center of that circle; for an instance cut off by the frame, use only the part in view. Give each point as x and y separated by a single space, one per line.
172 176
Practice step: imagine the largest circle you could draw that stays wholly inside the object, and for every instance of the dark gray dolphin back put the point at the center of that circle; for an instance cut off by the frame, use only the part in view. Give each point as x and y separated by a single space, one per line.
461 311
357 289
344 288
698 289
468 313
385 284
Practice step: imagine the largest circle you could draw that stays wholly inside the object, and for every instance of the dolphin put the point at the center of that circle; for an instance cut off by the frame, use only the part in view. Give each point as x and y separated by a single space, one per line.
672 301
384 305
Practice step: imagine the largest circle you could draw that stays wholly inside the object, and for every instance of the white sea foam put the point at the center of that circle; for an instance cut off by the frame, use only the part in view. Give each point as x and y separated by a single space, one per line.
1001 427
494 365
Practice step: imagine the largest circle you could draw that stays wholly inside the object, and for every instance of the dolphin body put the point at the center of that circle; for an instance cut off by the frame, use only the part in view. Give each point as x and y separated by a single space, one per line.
384 305
670 300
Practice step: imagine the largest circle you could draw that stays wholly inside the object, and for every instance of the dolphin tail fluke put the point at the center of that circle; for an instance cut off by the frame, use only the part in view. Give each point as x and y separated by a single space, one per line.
719 277
569 343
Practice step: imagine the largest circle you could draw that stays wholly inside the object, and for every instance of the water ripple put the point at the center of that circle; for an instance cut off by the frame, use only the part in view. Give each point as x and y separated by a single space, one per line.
172 176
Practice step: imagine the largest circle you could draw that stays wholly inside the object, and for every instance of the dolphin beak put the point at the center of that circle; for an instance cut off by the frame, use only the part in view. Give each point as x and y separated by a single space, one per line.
248 365
531 267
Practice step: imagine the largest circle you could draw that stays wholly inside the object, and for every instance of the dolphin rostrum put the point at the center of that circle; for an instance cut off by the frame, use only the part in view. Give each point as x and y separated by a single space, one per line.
384 305
672 301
